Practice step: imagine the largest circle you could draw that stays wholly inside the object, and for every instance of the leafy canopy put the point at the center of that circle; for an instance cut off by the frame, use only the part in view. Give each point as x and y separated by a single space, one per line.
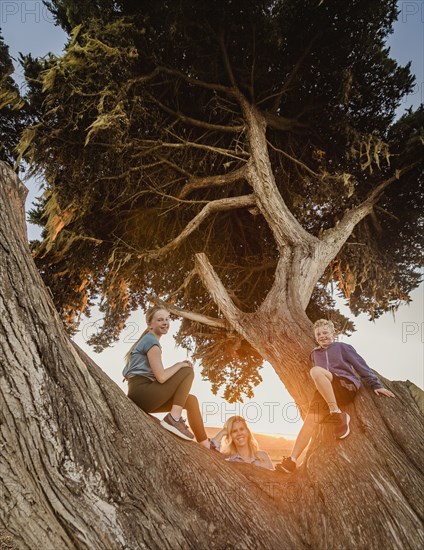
137 132
14 112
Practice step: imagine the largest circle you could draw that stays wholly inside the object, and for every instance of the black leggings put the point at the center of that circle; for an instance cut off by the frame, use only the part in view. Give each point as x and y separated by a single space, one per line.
153 397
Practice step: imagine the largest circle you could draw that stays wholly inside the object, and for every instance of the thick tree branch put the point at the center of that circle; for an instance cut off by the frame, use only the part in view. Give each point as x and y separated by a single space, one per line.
277 295
332 240
195 317
212 181
219 293
284 226
220 205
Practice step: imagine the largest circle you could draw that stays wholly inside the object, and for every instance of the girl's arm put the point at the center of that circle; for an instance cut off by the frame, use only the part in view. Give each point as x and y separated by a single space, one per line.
154 355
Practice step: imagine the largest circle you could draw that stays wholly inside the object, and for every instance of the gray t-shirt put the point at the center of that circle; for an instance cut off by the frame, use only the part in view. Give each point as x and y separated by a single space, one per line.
138 364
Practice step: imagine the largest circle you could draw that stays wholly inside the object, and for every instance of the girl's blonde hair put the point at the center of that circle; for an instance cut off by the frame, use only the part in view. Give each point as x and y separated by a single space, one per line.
229 446
149 316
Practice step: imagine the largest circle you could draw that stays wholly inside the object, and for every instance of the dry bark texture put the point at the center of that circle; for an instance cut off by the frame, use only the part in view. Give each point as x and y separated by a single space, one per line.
83 467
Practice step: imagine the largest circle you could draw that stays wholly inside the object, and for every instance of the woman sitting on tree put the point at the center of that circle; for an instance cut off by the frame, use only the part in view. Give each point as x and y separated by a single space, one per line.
157 389
237 442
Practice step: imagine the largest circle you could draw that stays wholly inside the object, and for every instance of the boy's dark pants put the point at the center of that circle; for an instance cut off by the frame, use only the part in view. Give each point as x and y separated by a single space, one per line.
344 390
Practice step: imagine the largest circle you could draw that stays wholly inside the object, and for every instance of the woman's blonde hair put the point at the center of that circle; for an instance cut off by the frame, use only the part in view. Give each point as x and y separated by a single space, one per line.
229 447
149 316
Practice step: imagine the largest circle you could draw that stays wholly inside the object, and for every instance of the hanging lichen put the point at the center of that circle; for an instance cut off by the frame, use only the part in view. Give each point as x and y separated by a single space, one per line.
368 150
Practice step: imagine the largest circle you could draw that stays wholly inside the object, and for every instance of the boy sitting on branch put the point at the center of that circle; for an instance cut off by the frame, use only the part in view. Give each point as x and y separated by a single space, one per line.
334 372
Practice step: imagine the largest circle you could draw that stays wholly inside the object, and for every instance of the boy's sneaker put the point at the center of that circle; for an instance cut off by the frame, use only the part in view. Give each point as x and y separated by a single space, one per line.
341 429
287 465
177 427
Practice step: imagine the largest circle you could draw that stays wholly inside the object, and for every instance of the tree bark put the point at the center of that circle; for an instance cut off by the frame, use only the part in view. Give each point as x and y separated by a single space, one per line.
83 467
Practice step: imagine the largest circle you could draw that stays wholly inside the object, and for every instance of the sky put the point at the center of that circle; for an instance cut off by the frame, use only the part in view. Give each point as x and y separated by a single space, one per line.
392 345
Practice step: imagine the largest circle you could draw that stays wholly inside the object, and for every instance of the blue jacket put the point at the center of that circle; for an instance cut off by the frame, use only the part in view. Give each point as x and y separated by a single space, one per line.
343 360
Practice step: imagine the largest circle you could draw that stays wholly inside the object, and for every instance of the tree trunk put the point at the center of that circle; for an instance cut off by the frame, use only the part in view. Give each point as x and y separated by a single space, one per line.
83 467
286 346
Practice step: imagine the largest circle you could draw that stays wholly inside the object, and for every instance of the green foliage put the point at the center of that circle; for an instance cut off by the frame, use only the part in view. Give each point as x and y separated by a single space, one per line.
14 113
227 359
136 110
390 241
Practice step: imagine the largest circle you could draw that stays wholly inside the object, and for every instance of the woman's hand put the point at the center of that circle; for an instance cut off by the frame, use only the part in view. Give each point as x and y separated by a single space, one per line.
222 433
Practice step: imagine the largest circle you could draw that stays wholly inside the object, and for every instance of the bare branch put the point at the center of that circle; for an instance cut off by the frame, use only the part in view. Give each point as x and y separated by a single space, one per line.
389 214
227 61
257 269
252 70
335 237
195 317
186 144
331 241
289 81
293 159
282 123
209 85
196 122
173 198
212 181
122 174
184 285
265 99
143 79
218 292
220 205
175 166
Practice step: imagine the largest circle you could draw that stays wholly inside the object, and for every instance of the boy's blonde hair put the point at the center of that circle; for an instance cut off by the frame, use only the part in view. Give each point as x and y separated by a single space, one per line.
324 323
